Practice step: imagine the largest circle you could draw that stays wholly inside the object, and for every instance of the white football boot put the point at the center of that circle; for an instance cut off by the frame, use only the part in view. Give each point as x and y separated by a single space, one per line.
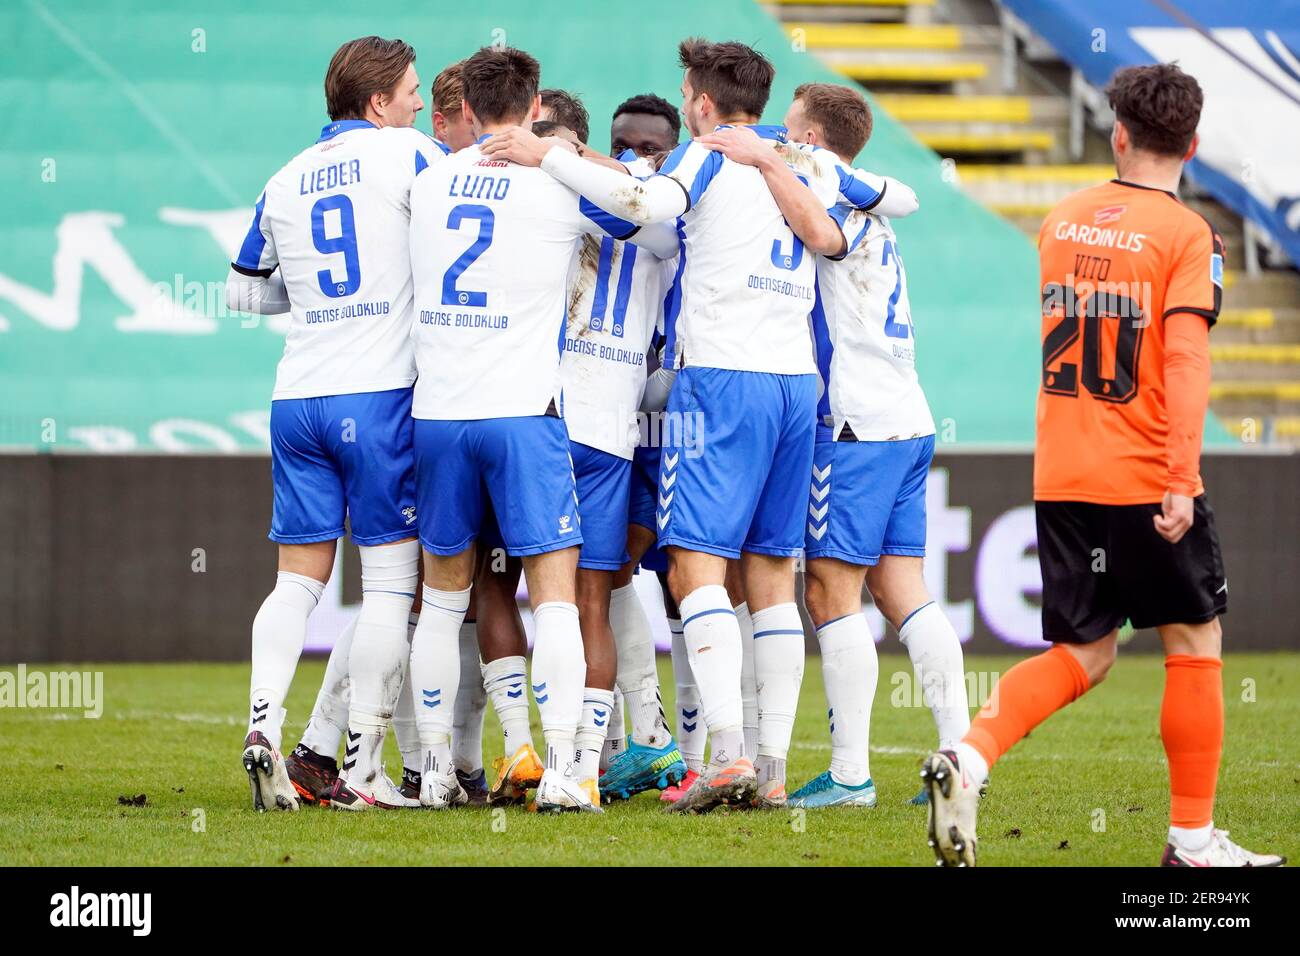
441 790
557 793
268 778
1220 851
954 799
381 794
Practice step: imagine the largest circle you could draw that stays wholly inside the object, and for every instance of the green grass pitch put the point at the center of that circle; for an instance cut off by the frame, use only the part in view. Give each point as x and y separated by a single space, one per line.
1088 787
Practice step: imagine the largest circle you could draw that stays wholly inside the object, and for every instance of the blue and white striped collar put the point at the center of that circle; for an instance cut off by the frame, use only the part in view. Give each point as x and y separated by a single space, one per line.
330 130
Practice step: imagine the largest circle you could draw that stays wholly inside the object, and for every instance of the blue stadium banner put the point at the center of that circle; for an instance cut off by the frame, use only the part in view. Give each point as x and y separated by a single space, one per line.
1246 56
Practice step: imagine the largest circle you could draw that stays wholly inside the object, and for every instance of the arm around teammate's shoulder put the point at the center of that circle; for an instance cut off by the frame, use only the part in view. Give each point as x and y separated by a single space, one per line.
802 208
613 190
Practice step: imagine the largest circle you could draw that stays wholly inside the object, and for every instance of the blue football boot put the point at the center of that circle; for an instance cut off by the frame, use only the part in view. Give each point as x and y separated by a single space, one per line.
640 768
824 791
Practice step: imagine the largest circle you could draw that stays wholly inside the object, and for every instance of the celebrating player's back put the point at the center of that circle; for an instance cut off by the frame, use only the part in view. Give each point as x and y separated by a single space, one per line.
491 247
333 221
507 217
1131 283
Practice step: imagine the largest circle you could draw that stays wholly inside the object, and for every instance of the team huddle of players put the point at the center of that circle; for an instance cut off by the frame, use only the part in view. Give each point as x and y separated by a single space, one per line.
510 353
478 319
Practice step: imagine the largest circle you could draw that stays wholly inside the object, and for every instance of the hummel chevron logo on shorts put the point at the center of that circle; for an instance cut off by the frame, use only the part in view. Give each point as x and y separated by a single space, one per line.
818 506
666 481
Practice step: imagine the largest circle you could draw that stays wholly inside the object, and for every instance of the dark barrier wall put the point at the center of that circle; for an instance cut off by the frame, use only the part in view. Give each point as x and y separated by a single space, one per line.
166 558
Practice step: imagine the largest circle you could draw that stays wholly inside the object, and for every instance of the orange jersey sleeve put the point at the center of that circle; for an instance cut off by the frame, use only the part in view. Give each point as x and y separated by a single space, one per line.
1196 279
1187 395
1117 263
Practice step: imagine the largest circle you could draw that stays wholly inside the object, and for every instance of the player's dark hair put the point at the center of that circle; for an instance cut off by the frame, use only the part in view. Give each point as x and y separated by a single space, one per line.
651 105
548 128
1159 105
361 68
737 78
842 114
447 93
499 84
567 110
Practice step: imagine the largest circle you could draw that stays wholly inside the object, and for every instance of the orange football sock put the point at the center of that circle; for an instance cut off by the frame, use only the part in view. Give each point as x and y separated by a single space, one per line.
1024 697
1191 726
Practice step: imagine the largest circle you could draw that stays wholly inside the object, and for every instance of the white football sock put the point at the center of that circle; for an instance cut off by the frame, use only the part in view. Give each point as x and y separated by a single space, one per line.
850 672
637 677
279 632
504 680
329 716
404 726
778 675
380 652
936 656
1193 839
597 709
748 683
616 739
435 672
714 650
559 674
471 705
971 762
691 732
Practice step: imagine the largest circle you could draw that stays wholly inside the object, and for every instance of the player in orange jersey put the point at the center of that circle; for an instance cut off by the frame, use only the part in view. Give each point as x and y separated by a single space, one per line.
1131 283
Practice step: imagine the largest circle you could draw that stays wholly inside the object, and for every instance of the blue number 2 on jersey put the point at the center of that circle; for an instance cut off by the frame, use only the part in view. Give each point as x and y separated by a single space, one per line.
895 330
486 221
345 242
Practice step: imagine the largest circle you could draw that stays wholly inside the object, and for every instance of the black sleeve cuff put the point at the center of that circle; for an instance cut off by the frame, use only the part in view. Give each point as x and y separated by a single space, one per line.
686 191
880 198
264 273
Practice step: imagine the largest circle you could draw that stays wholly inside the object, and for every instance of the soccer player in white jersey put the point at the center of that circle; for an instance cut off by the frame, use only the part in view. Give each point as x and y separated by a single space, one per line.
334 223
452 132
866 508
491 246
644 131
312 766
615 300
749 374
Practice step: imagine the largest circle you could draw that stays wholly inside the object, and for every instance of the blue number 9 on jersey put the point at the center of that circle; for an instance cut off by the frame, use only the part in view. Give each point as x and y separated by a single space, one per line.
791 260
345 242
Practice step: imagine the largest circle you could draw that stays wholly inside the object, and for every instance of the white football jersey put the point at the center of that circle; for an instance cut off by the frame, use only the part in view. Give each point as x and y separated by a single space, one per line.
616 302
866 345
747 284
615 305
335 221
492 245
